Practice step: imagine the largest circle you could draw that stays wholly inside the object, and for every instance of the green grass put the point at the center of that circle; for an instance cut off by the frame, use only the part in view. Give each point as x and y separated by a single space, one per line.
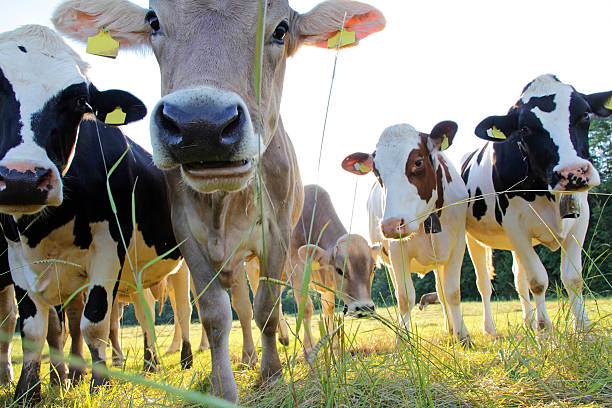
375 367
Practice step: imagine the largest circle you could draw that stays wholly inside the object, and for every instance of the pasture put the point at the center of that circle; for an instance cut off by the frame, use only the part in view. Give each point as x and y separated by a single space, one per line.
374 366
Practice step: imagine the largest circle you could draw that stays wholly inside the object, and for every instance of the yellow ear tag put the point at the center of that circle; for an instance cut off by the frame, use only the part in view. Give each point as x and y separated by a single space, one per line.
348 37
315 266
496 133
608 104
116 117
363 168
444 144
103 44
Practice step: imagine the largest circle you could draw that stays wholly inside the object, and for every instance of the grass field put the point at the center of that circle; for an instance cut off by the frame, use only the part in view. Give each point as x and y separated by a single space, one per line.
374 367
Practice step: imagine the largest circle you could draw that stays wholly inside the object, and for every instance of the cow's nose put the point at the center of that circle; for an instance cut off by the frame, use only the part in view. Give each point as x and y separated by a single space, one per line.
364 310
394 228
26 184
577 177
188 125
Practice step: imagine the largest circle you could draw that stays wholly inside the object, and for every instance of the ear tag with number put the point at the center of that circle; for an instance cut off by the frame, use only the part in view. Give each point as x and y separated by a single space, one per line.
103 44
348 37
315 266
116 117
496 133
444 144
363 168
608 104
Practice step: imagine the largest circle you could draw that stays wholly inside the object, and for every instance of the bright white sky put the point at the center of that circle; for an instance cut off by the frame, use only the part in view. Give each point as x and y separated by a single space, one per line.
436 60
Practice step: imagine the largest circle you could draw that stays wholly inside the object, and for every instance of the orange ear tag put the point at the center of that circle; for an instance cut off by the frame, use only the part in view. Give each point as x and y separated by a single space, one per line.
116 117
102 44
348 37
608 104
315 266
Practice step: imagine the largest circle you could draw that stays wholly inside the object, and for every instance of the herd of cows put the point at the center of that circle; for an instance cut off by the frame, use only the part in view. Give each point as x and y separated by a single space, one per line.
91 220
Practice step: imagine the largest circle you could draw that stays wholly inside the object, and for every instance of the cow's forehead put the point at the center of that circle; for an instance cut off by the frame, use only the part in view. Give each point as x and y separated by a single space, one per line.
545 85
394 147
38 64
237 10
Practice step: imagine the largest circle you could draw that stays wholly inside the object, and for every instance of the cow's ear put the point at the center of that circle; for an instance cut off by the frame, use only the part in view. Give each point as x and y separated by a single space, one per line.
116 107
496 128
123 20
358 163
601 103
442 135
321 26
315 254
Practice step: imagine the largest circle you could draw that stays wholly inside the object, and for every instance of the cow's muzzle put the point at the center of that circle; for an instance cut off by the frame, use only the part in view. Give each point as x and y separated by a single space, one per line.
576 178
359 309
208 134
26 188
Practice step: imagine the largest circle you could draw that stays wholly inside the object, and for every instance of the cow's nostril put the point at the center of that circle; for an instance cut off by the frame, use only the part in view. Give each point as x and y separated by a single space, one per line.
44 181
167 121
229 132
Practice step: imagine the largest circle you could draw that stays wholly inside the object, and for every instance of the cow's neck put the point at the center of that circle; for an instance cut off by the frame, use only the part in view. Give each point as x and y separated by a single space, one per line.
511 170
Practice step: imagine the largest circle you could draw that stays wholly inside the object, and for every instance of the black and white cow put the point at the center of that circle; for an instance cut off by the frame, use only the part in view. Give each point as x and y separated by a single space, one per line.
542 152
59 200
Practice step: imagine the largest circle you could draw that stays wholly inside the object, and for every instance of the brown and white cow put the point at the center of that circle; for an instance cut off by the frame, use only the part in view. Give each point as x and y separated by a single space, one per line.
230 166
419 206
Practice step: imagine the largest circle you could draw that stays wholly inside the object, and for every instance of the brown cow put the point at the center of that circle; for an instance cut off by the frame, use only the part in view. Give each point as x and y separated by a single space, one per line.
231 169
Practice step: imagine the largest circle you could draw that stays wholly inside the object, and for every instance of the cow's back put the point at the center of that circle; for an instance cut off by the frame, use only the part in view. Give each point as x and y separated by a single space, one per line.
325 219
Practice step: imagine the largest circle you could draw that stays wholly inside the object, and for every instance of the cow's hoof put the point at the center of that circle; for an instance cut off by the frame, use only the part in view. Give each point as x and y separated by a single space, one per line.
467 343
203 347
249 358
283 340
118 361
150 361
186 356
6 373
98 381
76 374
28 387
57 375
174 348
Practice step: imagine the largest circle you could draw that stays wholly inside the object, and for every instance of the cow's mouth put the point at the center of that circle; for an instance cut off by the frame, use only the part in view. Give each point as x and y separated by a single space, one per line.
218 169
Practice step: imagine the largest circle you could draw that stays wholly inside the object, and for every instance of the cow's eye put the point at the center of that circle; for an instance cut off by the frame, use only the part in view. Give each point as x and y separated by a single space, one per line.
153 21
82 104
280 32
525 130
339 271
586 118
418 164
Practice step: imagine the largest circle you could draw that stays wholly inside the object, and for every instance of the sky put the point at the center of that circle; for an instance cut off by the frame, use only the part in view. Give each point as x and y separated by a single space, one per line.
436 60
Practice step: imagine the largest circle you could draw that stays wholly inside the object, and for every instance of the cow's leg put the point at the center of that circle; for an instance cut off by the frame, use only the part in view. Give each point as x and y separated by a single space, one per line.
180 284
8 321
571 267
242 305
522 288
268 298
404 289
448 284
74 310
478 253
252 270
297 280
118 358
204 345
55 339
175 345
328 305
537 277
150 356
34 316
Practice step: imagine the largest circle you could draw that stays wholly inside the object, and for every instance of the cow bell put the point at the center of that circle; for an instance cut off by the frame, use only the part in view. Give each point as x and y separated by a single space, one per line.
432 224
569 206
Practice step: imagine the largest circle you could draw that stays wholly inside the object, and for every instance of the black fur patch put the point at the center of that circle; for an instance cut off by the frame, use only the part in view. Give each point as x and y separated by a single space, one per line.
10 117
480 207
97 304
26 307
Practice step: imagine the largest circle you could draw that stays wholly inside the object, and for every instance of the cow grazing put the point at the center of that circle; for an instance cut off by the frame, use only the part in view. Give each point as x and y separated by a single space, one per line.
211 134
419 206
44 96
542 151
428 299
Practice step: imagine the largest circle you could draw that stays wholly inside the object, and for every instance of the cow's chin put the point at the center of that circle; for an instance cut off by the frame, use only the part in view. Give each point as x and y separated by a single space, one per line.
19 210
209 177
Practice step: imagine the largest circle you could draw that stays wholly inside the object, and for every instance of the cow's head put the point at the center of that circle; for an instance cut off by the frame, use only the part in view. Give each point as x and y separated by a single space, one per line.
44 94
351 262
207 121
551 124
405 163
